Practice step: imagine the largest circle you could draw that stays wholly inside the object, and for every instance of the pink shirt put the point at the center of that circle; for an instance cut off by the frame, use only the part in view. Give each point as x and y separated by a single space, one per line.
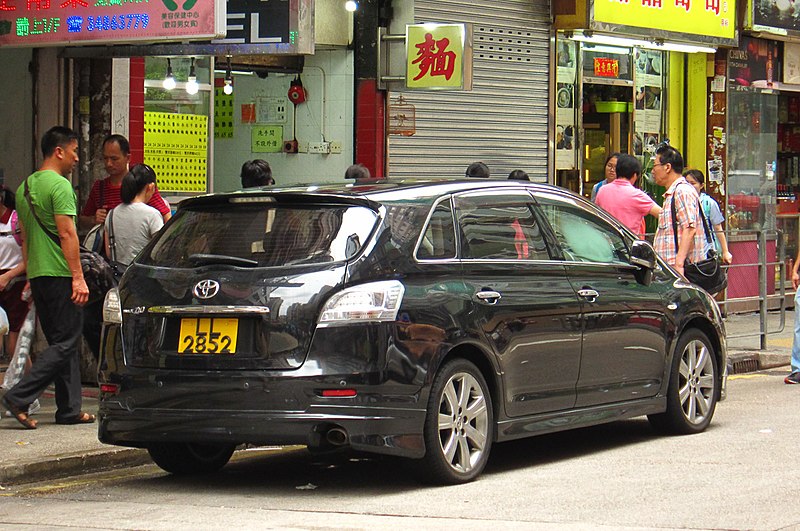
626 203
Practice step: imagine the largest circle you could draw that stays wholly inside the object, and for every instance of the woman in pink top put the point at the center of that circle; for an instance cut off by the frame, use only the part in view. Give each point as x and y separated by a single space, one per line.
623 200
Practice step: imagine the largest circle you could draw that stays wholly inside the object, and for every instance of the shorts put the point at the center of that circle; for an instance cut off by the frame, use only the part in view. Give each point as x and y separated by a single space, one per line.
11 301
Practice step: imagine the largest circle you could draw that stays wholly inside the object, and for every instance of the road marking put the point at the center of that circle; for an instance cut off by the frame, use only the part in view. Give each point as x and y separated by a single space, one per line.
747 376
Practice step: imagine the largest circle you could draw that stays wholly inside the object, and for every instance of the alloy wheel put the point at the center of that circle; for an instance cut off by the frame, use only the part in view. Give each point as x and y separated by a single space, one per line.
463 422
696 382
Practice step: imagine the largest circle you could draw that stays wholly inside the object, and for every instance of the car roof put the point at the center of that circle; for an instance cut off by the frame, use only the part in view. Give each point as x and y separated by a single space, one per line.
371 192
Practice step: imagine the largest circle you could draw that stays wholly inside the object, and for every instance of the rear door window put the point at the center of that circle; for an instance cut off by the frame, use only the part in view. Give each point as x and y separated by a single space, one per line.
499 225
261 235
439 237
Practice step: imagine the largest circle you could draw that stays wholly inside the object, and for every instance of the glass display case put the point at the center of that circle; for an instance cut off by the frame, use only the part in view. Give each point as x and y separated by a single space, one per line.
753 139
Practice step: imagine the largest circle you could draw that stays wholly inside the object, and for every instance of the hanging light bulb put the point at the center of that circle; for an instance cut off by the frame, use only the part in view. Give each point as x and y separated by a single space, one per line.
169 81
350 5
191 84
228 88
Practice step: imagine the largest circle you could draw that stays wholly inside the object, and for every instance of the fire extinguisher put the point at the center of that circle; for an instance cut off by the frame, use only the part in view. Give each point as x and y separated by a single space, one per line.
297 94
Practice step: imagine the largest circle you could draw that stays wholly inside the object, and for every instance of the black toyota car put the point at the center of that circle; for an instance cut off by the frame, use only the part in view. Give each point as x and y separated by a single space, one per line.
423 319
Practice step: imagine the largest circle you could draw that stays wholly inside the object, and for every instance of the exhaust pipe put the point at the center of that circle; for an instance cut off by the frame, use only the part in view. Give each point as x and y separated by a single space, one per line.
336 436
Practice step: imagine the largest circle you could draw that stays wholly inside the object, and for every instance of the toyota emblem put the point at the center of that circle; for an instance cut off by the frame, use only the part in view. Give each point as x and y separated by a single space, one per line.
205 289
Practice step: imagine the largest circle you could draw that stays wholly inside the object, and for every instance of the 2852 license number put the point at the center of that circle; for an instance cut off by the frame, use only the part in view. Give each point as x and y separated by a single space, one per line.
208 335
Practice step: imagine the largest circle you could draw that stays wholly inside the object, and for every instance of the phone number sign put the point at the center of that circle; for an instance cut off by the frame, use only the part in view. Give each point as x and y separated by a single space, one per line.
70 22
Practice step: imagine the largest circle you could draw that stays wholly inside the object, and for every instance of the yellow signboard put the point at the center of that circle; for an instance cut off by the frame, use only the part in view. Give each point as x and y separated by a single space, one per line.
712 18
176 146
436 56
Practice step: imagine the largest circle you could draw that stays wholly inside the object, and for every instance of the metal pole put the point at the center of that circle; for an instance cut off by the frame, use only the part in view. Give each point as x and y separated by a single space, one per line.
762 287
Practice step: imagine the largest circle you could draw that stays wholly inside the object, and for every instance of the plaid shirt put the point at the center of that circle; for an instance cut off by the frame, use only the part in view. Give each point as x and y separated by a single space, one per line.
687 208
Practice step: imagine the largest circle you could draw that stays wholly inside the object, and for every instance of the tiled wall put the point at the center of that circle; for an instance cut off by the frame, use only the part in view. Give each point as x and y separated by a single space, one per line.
335 96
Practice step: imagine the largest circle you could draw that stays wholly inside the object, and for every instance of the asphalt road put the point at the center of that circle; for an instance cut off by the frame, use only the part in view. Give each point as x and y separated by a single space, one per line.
740 474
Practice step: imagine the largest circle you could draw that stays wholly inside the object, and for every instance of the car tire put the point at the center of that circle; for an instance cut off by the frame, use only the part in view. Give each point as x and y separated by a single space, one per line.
190 458
693 387
459 425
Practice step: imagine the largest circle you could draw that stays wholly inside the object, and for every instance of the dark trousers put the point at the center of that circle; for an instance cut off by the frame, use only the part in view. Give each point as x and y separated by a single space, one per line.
59 363
92 326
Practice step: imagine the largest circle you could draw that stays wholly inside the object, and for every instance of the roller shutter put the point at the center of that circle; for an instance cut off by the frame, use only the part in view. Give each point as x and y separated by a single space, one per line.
503 121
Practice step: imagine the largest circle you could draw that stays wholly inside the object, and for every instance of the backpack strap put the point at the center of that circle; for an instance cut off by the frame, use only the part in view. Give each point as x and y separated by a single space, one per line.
112 242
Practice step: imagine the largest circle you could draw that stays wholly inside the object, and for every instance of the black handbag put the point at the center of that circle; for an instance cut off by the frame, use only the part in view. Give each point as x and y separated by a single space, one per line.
708 273
97 273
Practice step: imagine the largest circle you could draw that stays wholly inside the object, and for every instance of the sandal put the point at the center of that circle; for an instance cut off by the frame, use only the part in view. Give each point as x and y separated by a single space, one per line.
82 418
20 414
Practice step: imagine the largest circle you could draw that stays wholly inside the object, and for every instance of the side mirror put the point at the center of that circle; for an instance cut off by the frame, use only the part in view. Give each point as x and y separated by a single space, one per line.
644 257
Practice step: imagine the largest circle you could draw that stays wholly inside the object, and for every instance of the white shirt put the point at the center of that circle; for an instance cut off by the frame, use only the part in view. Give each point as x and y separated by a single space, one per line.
10 252
134 225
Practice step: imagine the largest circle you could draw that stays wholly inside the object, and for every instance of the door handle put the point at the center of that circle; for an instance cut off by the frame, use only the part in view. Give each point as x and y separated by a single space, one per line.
588 294
488 296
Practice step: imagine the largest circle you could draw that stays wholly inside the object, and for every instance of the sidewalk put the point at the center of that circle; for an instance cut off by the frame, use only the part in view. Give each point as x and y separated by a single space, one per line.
54 451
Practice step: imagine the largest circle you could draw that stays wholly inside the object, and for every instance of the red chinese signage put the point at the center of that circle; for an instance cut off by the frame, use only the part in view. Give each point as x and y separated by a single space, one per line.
65 22
604 67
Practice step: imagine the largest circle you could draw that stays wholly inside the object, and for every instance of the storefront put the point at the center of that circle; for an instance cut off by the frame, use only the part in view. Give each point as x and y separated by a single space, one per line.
622 78
754 136
502 119
270 86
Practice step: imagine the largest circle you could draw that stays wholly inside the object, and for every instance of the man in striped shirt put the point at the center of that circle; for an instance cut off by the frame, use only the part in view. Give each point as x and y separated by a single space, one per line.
667 171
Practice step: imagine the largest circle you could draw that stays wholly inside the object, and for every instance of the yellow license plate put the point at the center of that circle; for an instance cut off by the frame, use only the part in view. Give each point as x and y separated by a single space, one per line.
208 336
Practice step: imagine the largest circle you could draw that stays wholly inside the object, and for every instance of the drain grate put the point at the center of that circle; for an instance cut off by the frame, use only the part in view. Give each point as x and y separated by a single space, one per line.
745 365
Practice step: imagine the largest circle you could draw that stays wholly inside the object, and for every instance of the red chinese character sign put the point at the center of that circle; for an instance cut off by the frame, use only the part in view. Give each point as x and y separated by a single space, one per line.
604 67
70 22
438 56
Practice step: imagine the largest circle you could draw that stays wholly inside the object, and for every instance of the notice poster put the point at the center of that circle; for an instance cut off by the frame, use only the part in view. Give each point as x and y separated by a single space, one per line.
648 97
176 147
565 158
266 139
223 111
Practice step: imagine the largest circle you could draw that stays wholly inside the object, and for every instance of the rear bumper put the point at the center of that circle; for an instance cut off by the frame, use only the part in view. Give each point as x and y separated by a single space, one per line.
263 407
394 432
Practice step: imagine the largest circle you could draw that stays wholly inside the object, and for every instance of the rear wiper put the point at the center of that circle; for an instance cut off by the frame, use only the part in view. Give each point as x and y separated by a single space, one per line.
207 259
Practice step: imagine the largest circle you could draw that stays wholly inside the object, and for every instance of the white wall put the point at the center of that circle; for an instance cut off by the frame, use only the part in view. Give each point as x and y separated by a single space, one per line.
335 68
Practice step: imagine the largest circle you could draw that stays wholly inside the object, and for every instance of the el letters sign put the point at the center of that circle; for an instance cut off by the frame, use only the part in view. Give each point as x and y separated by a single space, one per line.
69 22
711 18
438 56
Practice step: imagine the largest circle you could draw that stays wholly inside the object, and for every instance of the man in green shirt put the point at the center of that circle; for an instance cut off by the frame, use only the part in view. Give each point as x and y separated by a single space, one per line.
56 280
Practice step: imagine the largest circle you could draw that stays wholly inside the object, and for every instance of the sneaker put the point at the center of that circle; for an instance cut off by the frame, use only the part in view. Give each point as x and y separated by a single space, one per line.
793 378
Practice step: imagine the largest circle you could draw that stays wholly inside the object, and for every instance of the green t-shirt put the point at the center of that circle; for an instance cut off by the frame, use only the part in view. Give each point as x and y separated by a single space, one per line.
51 194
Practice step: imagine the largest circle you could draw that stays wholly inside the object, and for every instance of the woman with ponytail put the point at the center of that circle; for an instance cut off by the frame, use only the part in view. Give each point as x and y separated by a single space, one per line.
132 224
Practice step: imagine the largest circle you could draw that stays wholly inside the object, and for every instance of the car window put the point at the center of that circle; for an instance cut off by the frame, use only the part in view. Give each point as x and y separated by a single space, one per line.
582 234
264 233
499 226
439 236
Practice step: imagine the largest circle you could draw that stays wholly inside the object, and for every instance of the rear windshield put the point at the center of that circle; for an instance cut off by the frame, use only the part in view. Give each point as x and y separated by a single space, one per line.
261 235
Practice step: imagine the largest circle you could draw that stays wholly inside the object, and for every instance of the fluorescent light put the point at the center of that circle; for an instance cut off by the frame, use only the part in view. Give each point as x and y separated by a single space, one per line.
604 48
683 48
668 46
350 5
595 38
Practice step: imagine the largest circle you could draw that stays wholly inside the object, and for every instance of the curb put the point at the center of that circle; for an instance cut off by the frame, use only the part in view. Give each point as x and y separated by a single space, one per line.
742 361
72 464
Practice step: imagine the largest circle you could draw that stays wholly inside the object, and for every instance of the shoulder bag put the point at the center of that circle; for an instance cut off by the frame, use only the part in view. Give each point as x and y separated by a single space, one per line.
94 240
707 273
97 272
116 266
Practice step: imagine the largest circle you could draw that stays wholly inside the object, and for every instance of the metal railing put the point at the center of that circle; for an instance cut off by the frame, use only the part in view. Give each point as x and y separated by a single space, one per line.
755 255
